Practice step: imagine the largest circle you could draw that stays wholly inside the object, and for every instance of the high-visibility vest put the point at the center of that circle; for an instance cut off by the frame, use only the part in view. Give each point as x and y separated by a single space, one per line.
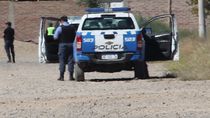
50 31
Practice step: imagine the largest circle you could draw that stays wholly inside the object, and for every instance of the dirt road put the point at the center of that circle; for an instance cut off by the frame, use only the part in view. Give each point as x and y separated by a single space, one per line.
30 90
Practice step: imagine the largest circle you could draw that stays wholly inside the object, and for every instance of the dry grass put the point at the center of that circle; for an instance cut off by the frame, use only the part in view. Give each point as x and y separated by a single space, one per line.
194 61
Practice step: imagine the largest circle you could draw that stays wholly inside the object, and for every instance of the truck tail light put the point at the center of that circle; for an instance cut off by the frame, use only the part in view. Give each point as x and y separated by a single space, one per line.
79 42
139 41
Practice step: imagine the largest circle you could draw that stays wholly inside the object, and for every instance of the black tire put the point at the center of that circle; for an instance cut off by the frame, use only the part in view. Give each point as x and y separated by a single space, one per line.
79 73
141 70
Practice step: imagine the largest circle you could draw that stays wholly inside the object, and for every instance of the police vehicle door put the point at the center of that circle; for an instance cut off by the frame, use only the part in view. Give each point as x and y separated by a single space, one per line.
161 40
46 53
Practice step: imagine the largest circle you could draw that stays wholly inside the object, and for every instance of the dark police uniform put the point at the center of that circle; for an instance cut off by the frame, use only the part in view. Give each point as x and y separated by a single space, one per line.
9 33
66 34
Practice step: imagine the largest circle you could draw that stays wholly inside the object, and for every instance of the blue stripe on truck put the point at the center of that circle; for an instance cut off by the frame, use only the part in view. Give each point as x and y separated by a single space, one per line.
88 42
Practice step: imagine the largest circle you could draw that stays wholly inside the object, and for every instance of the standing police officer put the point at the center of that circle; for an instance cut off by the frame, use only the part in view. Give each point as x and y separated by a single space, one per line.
9 33
66 34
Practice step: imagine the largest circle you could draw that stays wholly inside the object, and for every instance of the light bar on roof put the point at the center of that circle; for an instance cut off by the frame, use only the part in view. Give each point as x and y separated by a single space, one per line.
101 10
95 10
121 9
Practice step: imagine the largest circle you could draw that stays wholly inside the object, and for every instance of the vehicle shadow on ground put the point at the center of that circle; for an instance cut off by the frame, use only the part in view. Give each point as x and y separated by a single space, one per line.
110 79
167 76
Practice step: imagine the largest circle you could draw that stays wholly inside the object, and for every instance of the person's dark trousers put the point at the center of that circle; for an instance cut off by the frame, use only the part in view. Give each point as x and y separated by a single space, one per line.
9 47
65 53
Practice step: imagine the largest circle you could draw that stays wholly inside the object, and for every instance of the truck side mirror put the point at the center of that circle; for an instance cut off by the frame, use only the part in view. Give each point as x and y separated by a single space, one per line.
148 31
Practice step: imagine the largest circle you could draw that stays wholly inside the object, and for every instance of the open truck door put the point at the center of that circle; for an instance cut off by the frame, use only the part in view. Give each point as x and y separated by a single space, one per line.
161 38
48 49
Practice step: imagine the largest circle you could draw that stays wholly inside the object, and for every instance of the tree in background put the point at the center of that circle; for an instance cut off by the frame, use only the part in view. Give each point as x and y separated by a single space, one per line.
89 3
194 4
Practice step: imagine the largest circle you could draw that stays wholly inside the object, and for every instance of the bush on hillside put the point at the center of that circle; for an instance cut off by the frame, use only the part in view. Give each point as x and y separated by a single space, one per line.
89 3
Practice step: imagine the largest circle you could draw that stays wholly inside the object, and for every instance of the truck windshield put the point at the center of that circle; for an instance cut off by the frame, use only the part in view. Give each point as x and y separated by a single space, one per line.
108 23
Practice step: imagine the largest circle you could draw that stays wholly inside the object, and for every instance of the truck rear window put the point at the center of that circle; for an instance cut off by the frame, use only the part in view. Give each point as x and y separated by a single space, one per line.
108 23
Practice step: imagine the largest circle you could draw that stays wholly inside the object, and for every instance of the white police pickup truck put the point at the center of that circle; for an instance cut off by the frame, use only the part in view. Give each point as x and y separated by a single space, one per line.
110 40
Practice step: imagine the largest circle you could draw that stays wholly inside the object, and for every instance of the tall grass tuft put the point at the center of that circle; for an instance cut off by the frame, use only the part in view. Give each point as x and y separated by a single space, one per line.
186 34
194 61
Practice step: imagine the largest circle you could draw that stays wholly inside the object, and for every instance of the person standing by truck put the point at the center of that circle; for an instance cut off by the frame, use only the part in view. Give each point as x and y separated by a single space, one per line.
49 32
9 33
65 33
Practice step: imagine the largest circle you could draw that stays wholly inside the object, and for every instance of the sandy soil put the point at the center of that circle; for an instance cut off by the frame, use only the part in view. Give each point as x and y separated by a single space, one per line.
31 90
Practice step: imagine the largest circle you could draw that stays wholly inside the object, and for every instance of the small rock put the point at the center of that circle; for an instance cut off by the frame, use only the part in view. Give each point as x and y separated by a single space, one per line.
129 104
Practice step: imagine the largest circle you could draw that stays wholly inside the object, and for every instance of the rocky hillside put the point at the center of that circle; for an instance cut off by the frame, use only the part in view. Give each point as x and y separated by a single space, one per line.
149 8
27 13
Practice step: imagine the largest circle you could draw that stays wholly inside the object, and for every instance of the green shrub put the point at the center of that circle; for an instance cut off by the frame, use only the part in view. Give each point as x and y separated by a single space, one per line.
89 3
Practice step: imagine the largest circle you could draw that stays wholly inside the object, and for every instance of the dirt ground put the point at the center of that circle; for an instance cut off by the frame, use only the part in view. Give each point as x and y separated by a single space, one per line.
31 90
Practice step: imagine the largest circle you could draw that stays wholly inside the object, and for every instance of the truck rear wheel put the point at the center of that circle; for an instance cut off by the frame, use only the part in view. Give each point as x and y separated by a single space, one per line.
141 70
79 73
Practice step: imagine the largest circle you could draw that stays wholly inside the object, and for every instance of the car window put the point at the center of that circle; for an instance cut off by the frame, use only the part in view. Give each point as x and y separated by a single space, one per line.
108 23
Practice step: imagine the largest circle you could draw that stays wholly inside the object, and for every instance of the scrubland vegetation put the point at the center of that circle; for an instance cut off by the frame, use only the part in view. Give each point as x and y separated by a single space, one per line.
194 63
